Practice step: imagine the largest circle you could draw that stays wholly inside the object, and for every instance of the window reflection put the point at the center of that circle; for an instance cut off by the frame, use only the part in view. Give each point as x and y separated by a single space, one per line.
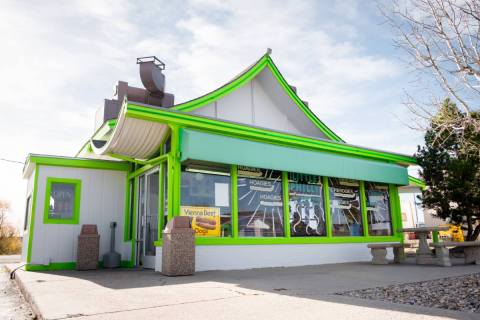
345 207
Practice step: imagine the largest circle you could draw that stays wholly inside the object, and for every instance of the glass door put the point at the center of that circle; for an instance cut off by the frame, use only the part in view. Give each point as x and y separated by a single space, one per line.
147 227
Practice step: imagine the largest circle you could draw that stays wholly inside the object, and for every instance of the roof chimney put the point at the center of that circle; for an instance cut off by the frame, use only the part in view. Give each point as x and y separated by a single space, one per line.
151 75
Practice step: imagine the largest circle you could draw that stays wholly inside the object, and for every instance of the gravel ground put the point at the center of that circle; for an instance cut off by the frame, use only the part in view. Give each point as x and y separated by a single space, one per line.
457 293
12 304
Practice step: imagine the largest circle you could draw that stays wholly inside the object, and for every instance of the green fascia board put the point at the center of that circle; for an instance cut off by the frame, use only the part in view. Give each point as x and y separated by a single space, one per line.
203 146
417 182
31 225
78 162
264 62
260 134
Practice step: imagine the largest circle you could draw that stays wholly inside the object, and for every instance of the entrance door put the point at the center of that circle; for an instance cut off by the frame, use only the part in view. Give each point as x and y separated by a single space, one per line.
147 227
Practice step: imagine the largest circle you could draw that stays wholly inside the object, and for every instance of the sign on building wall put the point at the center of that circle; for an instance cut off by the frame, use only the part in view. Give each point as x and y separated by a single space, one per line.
205 220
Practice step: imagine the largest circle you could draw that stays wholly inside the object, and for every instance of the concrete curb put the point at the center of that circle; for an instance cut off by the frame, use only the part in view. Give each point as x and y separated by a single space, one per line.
26 295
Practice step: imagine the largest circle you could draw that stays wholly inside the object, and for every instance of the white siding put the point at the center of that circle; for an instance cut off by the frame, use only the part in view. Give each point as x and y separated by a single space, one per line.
263 256
262 102
102 201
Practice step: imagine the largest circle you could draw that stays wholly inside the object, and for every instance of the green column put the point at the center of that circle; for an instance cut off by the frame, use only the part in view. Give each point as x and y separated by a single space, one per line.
286 207
160 200
234 200
363 205
326 196
174 174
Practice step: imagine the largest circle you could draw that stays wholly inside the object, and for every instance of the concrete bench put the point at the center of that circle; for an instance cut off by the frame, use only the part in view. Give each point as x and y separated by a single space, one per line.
379 252
471 250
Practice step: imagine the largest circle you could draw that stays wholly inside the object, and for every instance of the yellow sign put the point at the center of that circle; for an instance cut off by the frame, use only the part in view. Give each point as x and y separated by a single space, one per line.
205 220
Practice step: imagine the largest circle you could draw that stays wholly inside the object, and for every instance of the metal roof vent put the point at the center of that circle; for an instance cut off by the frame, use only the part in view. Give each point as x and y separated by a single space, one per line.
151 75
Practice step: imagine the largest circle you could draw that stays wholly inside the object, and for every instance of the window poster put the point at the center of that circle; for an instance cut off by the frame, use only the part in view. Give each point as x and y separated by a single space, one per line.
306 205
378 209
205 220
345 207
260 202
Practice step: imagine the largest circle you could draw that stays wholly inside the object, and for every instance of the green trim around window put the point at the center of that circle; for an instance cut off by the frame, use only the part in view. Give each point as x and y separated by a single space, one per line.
363 208
76 204
286 205
31 225
161 207
127 236
234 199
134 216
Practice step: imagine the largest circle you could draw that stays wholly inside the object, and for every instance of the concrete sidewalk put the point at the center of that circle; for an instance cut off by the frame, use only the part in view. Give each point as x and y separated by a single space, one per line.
273 293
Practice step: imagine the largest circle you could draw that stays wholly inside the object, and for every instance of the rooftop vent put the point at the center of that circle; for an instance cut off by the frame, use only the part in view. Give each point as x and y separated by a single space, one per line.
151 74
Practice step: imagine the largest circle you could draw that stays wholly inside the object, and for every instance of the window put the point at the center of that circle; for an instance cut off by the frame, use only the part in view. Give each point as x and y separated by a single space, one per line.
306 205
205 197
62 201
345 207
260 202
378 209
27 210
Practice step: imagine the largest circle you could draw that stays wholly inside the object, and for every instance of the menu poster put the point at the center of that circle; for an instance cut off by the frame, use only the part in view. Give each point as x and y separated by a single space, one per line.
260 203
307 215
205 220
378 206
345 206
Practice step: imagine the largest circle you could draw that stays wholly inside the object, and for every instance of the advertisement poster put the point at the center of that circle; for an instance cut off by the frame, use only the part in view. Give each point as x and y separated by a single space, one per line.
345 207
205 220
260 202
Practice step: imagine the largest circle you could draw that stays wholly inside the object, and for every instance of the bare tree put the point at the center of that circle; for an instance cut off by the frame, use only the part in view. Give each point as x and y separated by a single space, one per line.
9 240
442 41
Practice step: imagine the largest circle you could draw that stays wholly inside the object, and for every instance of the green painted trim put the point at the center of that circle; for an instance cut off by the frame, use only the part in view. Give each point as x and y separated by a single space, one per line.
148 166
224 90
395 211
51 266
157 160
286 205
126 221
264 62
417 182
363 208
66 266
262 135
76 204
31 225
176 169
170 175
299 102
234 200
219 241
160 200
326 198
79 163
134 216
125 158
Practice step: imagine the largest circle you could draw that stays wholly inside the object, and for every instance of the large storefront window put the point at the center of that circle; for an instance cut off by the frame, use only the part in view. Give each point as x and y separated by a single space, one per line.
205 197
378 209
306 205
260 202
345 209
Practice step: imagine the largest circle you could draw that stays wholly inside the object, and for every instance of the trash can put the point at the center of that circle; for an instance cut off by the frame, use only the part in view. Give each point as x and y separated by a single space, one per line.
178 248
88 247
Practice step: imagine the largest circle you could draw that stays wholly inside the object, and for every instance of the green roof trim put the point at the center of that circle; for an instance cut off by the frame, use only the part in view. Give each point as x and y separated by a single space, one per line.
417 182
259 134
77 162
243 78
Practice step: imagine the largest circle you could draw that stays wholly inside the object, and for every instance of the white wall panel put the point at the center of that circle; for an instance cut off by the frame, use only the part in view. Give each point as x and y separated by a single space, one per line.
102 201
264 256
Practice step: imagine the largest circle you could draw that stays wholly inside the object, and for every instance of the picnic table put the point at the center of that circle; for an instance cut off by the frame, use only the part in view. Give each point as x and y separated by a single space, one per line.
424 255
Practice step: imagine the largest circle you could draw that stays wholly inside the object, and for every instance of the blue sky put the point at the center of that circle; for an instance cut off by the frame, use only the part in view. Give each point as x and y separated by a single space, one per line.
60 59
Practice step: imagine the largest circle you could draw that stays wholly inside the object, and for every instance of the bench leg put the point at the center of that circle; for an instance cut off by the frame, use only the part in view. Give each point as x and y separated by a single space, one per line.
379 256
398 255
443 256
472 255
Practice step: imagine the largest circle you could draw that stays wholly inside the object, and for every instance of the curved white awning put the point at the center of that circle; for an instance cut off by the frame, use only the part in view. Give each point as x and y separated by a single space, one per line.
134 138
